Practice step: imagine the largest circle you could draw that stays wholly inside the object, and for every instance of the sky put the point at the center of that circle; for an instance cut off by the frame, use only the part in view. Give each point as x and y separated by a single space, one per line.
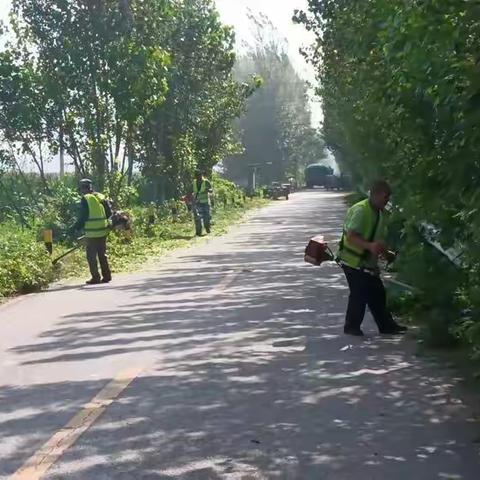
4 8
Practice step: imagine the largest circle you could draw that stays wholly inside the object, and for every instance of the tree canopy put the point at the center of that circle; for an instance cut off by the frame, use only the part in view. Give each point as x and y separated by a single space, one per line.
276 130
119 85
399 82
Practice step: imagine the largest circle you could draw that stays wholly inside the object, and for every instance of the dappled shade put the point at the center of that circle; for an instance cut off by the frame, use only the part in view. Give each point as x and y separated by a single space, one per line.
247 374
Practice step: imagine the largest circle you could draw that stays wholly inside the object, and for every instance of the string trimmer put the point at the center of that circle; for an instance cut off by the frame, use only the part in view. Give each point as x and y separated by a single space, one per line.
118 221
68 252
319 252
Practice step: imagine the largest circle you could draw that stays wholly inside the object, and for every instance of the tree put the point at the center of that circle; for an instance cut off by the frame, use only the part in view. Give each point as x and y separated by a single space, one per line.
194 125
120 85
98 78
399 82
276 130
24 112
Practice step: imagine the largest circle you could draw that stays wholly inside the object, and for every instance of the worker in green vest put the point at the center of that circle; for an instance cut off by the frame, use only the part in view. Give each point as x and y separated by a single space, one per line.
360 248
95 210
201 192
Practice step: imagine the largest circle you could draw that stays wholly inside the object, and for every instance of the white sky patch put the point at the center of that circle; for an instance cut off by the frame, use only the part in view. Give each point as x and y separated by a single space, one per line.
4 9
234 12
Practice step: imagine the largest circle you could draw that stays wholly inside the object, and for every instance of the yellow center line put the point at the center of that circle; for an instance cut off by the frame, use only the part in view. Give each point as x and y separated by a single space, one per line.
44 458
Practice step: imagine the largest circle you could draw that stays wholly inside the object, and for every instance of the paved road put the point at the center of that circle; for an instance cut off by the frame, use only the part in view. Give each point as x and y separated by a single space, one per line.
224 362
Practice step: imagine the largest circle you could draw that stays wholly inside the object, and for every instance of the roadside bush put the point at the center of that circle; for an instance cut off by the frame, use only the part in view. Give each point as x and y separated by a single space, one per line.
25 265
226 192
467 329
119 192
58 211
436 306
400 92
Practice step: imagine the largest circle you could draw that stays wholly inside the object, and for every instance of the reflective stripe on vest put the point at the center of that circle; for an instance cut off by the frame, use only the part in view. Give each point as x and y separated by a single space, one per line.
350 254
97 224
202 194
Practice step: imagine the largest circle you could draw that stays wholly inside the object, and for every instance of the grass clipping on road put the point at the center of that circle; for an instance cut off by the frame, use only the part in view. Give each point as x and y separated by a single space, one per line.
150 243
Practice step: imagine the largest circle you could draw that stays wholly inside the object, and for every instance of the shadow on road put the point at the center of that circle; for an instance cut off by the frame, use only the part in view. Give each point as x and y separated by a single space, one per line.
253 379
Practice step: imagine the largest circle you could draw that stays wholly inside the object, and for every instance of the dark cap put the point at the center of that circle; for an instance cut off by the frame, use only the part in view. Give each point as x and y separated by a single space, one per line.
86 184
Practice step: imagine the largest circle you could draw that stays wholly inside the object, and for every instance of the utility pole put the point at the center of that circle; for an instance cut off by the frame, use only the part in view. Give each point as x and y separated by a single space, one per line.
252 180
254 169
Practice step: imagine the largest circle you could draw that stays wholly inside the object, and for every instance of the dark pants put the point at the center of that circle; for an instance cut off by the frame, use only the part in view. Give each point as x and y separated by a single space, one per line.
366 290
201 214
97 247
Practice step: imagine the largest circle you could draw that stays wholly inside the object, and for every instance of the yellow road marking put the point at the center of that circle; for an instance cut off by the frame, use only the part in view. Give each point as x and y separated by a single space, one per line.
42 460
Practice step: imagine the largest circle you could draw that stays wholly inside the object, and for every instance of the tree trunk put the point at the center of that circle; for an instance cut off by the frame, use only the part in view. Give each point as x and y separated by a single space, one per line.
39 163
62 153
130 154
13 203
126 10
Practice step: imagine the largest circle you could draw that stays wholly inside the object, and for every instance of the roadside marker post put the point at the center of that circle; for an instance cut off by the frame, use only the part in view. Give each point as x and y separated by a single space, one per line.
48 240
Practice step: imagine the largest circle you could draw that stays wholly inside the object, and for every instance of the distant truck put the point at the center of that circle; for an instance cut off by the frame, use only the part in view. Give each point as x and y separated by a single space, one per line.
335 182
316 175
332 182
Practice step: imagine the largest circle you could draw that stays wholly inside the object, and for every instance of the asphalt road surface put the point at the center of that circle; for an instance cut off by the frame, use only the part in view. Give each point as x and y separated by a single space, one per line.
225 361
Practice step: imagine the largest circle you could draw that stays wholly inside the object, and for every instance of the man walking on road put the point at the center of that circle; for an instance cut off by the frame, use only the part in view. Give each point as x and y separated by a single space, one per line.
95 211
360 247
202 189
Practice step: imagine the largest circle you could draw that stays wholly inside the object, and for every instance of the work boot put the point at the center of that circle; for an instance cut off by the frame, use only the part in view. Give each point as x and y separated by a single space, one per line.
355 331
93 281
394 329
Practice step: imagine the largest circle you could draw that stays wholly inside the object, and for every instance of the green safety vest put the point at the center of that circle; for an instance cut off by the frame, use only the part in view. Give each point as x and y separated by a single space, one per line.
97 224
372 229
201 195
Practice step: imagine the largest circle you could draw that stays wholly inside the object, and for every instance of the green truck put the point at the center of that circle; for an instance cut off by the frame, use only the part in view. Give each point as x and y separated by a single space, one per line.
316 175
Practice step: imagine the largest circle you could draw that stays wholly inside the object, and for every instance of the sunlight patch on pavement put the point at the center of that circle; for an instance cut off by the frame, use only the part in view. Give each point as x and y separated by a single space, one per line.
230 470
42 460
332 392
365 371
